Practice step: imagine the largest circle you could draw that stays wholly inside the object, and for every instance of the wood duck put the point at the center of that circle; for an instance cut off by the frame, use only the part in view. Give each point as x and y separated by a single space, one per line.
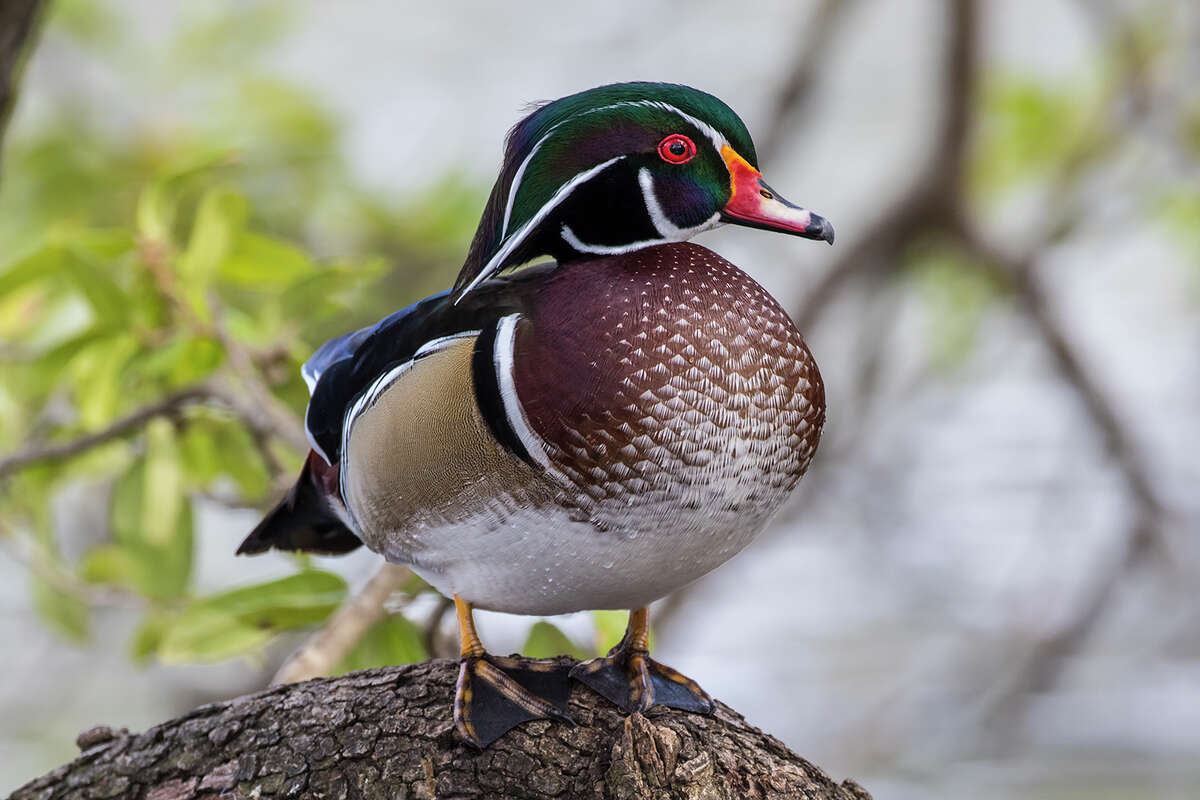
591 433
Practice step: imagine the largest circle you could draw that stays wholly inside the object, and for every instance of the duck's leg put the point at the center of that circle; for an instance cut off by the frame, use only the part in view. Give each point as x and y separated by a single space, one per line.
495 694
632 680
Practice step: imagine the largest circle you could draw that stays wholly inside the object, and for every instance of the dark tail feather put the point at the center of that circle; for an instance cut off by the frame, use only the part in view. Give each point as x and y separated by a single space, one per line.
305 519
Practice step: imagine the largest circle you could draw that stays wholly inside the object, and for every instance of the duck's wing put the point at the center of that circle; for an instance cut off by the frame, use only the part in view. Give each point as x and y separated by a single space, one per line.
343 376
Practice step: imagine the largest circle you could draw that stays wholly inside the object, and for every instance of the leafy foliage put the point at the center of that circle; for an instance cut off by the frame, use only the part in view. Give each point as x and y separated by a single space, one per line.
158 293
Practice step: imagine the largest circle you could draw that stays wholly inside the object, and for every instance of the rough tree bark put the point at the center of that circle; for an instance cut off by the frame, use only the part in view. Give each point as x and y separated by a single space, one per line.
387 733
18 22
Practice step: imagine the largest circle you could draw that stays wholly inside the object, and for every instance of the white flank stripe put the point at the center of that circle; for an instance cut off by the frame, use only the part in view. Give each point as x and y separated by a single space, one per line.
513 409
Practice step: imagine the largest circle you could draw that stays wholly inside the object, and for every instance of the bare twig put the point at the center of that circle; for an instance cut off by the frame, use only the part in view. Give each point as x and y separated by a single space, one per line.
818 30
270 413
329 645
933 193
24 550
122 427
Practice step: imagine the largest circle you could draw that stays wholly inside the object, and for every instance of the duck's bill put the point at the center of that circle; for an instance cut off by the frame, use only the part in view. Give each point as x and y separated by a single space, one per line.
756 205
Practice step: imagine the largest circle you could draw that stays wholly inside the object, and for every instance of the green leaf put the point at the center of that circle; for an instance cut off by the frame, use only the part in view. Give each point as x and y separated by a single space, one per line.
156 209
1027 127
242 460
90 275
149 636
96 378
610 628
243 620
220 220
163 483
112 564
293 602
156 560
392 640
65 613
260 262
203 634
44 263
545 640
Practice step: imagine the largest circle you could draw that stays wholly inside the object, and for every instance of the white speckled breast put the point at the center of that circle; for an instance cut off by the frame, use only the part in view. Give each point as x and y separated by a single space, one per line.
678 402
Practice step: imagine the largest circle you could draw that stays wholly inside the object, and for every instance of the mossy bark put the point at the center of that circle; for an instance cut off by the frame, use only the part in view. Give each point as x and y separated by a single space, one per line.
387 733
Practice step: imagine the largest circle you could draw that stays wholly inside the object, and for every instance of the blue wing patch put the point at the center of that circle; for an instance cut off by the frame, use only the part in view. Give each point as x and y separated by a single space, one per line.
344 347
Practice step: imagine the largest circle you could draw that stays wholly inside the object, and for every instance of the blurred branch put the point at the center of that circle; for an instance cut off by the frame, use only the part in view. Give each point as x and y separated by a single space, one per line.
934 204
933 193
122 427
1046 660
261 425
817 32
1021 274
18 23
329 645
25 550
265 408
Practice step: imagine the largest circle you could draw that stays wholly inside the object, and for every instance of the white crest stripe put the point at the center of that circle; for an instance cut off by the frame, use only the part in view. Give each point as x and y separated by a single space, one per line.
510 244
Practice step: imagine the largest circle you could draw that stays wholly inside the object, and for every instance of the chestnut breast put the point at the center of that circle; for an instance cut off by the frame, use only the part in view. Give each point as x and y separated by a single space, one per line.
668 379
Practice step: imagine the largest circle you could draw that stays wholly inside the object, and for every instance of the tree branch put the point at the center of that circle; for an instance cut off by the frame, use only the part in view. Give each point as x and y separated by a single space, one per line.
817 32
322 651
387 733
116 430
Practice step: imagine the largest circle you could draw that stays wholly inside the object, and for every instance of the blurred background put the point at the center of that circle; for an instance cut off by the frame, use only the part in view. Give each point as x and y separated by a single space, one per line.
985 586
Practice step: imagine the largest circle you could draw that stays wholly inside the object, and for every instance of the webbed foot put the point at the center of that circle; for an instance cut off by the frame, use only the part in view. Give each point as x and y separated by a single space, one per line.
630 679
495 694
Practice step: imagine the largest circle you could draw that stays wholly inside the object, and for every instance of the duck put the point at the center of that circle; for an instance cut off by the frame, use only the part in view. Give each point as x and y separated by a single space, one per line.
594 431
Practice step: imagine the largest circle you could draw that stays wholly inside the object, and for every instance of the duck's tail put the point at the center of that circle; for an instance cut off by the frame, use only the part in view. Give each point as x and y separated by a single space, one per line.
307 518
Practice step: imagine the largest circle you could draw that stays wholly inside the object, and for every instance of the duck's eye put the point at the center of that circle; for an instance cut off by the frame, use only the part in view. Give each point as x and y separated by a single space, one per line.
677 149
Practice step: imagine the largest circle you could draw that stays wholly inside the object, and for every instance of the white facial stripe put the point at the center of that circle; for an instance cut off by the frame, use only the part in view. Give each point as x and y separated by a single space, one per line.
513 410
712 133
518 236
662 223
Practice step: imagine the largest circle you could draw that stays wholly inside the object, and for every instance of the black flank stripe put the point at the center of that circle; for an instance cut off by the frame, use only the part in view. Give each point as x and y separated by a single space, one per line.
487 394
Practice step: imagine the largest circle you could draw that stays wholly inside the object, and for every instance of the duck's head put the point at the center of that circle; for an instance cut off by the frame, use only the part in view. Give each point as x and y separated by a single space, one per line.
622 167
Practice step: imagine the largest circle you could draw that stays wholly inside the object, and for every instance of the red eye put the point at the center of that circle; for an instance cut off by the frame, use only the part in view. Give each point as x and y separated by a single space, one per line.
677 149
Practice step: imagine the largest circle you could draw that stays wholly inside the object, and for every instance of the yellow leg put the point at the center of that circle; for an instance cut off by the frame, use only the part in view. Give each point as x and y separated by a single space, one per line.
468 640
